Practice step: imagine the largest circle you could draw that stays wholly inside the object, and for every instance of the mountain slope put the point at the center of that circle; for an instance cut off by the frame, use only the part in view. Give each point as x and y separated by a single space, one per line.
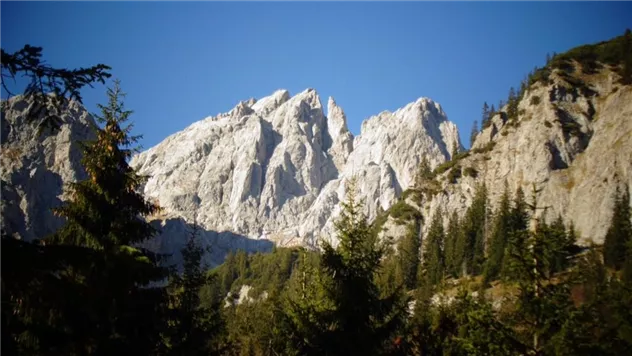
570 137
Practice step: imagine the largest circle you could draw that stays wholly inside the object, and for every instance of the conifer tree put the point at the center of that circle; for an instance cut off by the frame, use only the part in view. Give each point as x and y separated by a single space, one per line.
562 246
409 253
452 235
433 264
485 116
512 104
471 244
516 239
122 306
620 231
474 132
498 239
193 328
346 314
542 306
424 172
454 151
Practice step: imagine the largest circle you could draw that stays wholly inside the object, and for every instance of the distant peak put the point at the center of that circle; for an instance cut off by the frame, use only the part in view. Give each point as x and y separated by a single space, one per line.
271 102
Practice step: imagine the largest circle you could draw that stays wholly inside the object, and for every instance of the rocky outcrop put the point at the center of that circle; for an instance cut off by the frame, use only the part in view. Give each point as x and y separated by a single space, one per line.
276 168
572 143
36 163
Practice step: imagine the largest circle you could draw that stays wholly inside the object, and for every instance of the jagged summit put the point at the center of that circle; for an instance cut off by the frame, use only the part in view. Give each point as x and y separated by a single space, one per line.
279 165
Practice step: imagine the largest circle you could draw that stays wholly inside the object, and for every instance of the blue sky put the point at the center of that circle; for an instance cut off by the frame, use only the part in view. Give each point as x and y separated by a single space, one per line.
181 62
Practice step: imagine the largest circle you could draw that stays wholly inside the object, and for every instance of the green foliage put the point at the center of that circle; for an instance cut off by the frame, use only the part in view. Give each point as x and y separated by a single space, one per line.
111 303
452 265
487 114
454 174
615 52
449 164
474 132
193 326
498 240
470 172
403 212
409 250
619 233
346 314
487 148
65 84
433 265
470 249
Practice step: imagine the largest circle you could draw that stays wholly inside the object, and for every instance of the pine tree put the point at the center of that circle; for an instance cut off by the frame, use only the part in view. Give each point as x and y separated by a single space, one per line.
498 239
485 116
452 235
542 307
474 133
345 314
512 104
433 264
471 244
516 239
562 246
424 173
122 306
619 232
193 328
409 252
455 151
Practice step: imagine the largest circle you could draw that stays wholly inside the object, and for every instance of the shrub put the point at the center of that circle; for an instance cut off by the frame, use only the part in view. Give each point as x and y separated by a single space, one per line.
470 172
487 148
449 164
548 124
535 100
454 174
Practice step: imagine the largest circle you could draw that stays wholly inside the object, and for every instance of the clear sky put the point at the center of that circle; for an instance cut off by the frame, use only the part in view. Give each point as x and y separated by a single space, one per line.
181 62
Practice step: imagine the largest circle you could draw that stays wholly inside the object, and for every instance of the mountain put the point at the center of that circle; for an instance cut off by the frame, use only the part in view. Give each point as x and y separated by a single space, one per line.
569 137
273 171
275 168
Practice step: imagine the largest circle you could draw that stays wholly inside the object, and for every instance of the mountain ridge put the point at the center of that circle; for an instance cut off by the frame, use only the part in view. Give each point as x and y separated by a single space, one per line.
296 128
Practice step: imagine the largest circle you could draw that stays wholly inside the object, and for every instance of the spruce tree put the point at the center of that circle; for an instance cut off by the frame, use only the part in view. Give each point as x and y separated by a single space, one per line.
471 244
485 116
474 133
409 253
433 264
498 239
345 314
454 152
452 235
193 328
122 306
620 231
516 239
424 173
512 104
542 307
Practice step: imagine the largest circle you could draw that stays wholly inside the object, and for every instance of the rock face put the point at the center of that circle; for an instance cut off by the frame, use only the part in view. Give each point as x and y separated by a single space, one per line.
35 166
574 144
276 168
